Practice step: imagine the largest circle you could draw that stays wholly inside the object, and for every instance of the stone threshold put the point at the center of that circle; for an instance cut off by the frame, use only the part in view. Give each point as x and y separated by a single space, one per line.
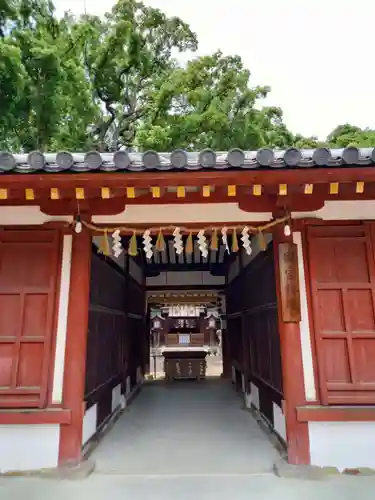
315 473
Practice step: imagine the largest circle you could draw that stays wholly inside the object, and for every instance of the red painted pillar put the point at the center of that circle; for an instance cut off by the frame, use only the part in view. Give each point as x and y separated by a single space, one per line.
75 350
292 371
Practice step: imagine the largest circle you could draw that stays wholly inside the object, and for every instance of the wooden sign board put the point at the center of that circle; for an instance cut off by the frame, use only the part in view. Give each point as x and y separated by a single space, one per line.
289 283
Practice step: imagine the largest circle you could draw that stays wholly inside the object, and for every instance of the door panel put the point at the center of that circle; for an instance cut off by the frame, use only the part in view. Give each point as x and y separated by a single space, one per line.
342 272
28 283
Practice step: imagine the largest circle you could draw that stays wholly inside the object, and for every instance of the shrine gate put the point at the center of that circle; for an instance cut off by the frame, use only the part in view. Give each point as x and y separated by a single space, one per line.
298 232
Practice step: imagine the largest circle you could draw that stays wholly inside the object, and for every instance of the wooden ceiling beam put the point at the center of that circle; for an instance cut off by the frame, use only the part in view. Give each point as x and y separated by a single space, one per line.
296 198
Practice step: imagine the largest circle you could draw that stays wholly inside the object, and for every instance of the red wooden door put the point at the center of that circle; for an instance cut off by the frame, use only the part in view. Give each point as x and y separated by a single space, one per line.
342 272
28 275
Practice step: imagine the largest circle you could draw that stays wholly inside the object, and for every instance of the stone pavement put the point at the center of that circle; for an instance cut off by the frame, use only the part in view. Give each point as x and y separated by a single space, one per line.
195 487
186 427
186 441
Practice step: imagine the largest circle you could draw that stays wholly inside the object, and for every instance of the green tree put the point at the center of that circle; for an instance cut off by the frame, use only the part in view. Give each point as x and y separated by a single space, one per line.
349 135
116 81
307 142
127 55
210 103
45 98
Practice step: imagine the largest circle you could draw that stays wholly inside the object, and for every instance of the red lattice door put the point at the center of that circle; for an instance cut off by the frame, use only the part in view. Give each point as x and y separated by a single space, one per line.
28 275
342 271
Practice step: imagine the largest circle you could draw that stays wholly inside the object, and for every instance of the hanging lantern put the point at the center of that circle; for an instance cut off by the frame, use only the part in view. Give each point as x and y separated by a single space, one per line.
287 229
78 224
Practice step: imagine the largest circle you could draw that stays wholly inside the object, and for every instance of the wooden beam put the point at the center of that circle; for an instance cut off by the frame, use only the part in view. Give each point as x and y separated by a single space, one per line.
181 193
75 351
316 413
155 191
206 191
289 283
105 193
36 417
228 177
292 373
360 187
334 188
98 206
54 194
29 194
268 203
185 267
80 193
130 192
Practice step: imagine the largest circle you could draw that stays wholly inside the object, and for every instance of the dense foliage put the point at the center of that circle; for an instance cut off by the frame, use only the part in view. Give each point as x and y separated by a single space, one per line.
111 82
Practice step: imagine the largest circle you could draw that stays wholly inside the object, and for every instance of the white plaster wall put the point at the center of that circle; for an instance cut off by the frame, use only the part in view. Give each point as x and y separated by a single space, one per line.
30 215
89 423
342 210
247 400
306 349
182 213
279 421
254 395
342 444
139 375
116 397
28 447
58 373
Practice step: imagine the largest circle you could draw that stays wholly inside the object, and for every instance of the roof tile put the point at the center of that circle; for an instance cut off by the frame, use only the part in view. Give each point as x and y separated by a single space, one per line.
207 159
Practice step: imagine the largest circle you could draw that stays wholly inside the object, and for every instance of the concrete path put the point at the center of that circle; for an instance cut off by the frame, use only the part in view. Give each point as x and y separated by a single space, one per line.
186 442
117 487
186 428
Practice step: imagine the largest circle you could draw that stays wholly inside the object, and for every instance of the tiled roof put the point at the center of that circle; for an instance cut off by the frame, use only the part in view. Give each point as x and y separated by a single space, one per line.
180 160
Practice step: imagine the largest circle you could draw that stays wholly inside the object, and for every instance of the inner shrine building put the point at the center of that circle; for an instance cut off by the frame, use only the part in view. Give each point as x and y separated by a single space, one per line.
286 239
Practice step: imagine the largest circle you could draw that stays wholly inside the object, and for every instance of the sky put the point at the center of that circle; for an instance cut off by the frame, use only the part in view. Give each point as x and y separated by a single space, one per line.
317 56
